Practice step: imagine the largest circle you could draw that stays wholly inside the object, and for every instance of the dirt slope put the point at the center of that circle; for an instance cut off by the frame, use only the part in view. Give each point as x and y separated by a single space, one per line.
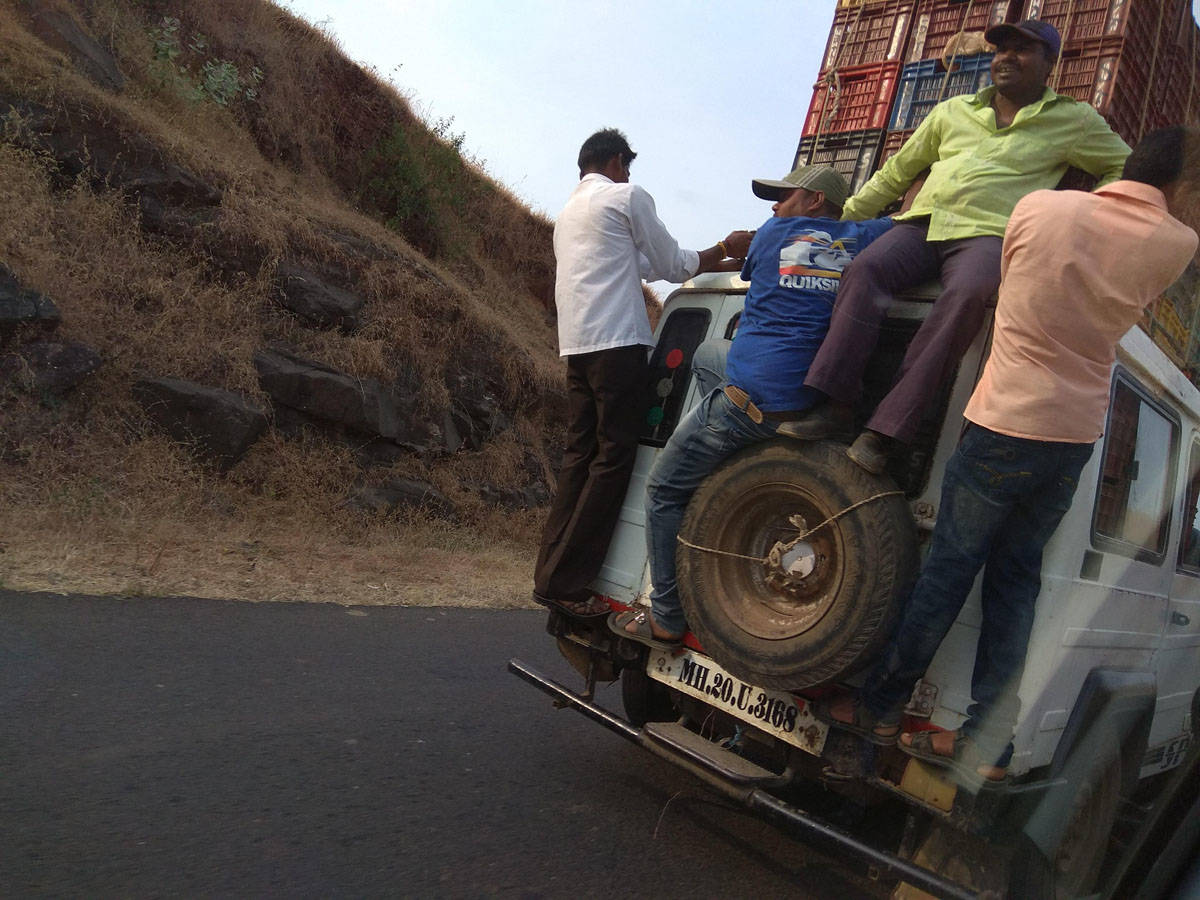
263 333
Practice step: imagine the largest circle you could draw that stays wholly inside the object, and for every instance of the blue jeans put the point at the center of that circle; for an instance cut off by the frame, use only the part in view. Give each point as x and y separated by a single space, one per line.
1002 499
708 364
713 430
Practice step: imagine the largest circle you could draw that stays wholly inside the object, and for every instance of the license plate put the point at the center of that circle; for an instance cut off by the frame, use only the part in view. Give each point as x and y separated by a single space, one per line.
778 713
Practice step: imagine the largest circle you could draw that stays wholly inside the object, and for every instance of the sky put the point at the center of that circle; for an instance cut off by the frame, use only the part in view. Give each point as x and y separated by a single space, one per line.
710 94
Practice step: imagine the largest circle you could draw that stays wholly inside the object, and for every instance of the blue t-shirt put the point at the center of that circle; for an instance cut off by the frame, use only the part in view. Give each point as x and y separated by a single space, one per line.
794 268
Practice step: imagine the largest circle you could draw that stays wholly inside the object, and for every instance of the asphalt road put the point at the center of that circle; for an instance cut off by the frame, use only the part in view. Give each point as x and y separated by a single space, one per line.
157 747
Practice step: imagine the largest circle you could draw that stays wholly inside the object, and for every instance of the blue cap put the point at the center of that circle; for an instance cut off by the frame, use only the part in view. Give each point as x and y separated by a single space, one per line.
1040 31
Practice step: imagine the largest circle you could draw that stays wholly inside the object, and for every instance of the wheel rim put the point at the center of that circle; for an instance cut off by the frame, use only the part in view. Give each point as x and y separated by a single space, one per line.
776 601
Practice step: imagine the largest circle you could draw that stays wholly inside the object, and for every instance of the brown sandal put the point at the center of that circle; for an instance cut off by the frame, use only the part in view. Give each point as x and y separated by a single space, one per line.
862 723
643 631
961 756
592 608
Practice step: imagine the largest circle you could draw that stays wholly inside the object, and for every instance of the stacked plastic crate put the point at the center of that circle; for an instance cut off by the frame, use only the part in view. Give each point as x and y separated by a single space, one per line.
1134 60
942 60
853 96
1137 62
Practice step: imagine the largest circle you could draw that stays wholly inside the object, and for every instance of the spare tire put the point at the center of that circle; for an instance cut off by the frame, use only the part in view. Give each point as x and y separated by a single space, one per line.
826 609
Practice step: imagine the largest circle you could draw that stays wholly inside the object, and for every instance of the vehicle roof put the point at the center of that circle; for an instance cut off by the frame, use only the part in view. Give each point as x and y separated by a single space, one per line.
1136 351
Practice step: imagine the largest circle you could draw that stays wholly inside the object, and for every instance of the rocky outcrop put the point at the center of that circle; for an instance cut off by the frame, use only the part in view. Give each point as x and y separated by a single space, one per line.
59 29
362 406
310 296
401 493
528 497
473 418
535 492
19 306
50 369
86 142
218 425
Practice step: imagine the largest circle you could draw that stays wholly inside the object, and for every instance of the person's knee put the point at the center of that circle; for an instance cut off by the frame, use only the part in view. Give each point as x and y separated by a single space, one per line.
663 495
971 287
710 356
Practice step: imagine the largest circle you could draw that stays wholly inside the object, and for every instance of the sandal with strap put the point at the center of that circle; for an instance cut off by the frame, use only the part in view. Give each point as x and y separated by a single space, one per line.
863 723
593 608
963 757
618 623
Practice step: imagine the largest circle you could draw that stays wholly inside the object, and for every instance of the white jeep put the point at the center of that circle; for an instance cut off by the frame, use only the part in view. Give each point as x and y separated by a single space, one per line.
796 563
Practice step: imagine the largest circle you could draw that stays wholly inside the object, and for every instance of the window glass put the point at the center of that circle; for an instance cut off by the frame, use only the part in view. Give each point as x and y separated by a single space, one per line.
1133 504
1189 542
671 372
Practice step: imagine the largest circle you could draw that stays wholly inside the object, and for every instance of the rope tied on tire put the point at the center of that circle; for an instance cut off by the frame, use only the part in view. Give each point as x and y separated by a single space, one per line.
781 548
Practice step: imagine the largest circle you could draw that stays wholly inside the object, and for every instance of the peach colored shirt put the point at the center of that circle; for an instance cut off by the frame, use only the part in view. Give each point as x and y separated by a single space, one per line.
1077 272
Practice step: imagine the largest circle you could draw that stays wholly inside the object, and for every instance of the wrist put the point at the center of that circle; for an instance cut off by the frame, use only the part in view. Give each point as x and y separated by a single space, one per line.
724 250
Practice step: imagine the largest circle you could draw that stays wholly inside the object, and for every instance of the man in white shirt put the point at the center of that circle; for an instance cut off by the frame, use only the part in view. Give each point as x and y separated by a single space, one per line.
607 239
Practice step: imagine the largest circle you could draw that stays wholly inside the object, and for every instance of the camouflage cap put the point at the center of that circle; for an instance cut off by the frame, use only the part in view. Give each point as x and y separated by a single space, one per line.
826 179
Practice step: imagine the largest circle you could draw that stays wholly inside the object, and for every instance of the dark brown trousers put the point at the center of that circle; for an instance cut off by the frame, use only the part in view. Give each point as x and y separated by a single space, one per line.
605 396
903 258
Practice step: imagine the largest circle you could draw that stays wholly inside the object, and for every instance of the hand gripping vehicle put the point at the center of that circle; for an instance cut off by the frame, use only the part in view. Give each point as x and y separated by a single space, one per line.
795 565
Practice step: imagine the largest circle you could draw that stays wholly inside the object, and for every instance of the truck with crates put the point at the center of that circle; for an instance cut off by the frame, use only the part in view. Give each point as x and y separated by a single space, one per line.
824 552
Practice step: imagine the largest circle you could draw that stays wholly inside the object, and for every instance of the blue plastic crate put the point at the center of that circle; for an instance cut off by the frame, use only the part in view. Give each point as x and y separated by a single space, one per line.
921 87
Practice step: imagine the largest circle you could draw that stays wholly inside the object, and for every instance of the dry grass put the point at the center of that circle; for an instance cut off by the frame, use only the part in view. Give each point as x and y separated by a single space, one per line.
91 497
410 565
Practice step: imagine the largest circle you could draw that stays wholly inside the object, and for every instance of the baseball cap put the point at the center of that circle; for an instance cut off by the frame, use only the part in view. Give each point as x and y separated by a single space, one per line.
826 179
1032 28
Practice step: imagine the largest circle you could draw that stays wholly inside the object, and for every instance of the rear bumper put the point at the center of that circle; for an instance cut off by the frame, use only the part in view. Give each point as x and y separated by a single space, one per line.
789 818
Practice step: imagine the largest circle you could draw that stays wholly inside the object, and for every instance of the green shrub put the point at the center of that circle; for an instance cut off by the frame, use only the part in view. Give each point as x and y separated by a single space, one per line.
420 184
218 80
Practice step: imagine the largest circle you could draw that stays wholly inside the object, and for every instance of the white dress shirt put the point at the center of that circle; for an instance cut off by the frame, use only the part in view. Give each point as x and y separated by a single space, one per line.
607 239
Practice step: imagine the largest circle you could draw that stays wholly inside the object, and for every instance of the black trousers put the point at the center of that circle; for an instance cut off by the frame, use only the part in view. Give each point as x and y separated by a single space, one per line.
605 396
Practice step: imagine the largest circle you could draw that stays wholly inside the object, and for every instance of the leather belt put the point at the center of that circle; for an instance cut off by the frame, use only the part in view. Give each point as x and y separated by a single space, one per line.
742 401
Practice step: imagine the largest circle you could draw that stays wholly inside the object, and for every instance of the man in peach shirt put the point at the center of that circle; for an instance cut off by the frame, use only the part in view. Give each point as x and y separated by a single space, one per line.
1078 269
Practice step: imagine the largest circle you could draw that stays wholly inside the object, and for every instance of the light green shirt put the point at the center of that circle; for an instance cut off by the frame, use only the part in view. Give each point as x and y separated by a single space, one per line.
978 172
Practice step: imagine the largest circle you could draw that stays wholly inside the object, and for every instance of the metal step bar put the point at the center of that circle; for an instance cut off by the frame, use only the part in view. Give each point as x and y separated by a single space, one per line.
783 815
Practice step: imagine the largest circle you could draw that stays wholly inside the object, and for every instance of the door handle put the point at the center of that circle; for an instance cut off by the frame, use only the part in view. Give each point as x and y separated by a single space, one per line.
1178 618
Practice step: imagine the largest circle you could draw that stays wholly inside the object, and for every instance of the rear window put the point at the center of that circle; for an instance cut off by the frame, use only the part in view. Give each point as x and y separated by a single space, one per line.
1133 504
671 372
1189 541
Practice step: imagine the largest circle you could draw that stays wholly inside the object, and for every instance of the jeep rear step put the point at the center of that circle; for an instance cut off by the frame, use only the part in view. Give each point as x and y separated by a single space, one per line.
743 781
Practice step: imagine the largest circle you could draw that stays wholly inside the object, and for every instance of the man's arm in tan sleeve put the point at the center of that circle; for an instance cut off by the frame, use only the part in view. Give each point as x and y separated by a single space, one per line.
917 154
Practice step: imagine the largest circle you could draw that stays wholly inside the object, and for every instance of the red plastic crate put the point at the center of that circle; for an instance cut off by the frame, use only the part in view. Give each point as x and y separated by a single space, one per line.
893 142
1147 22
1088 71
936 21
1078 20
852 99
1170 86
868 32
1134 92
1181 93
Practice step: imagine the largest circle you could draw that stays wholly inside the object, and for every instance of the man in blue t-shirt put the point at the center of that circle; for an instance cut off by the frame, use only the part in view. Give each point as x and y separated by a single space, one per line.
794 267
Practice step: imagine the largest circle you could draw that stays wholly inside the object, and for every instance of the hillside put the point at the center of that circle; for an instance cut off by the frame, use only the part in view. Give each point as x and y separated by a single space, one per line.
263 332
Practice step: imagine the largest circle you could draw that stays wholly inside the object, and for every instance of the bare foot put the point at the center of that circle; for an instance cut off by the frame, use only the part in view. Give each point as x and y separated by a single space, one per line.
842 709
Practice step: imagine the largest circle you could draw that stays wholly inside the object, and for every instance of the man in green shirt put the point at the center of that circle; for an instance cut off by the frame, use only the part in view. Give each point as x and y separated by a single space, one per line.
984 153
